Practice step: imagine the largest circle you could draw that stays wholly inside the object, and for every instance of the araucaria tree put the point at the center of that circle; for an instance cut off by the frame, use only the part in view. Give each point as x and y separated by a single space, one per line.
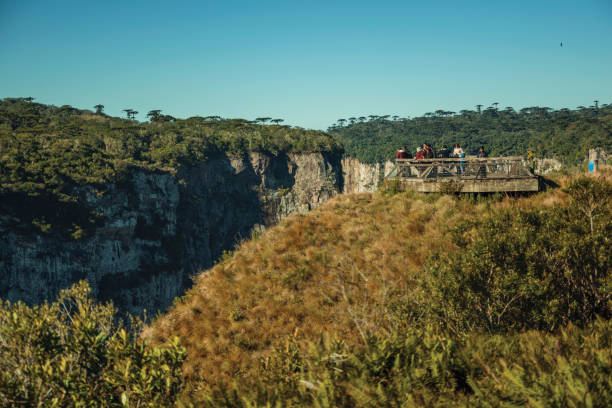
154 115
128 113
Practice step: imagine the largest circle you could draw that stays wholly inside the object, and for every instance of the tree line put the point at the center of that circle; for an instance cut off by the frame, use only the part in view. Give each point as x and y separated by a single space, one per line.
155 115
563 134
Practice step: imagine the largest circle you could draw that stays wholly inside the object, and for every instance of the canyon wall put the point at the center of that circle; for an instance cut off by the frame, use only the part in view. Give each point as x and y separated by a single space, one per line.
360 177
160 228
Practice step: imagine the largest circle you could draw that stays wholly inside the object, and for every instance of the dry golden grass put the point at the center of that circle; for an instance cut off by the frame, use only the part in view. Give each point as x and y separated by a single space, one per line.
336 270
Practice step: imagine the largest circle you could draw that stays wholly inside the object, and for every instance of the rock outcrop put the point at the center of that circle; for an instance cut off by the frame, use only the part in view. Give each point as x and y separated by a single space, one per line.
545 165
160 228
359 177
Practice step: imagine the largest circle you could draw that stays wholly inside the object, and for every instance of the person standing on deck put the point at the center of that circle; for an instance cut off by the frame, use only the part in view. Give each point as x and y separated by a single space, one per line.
401 153
458 152
429 153
408 155
482 169
444 153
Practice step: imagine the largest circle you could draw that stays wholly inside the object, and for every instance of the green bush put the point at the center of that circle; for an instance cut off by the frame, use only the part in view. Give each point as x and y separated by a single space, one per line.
72 353
529 268
392 187
571 368
425 367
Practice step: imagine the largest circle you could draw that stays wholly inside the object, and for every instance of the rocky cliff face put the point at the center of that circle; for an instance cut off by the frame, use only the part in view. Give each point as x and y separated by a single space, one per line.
359 177
544 166
159 228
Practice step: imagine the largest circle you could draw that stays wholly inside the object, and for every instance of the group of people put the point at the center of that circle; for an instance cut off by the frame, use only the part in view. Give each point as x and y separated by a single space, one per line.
428 152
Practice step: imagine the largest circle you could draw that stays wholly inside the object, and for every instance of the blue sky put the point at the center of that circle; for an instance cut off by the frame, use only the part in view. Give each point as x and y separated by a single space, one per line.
309 63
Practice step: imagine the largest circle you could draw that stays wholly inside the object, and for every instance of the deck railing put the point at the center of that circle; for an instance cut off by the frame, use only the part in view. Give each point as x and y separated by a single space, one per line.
468 168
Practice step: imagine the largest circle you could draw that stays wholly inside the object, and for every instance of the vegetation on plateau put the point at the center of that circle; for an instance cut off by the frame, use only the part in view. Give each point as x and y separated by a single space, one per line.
46 151
563 134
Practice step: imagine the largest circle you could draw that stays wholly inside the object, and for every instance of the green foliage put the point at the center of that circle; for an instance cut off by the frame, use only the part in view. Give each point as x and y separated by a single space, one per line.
425 367
571 368
564 134
78 233
392 187
451 187
47 152
529 268
593 198
72 353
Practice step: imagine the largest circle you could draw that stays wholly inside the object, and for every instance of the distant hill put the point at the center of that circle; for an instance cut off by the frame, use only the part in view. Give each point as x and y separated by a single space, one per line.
563 134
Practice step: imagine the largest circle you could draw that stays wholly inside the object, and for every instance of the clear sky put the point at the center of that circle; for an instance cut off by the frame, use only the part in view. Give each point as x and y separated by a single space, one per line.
308 62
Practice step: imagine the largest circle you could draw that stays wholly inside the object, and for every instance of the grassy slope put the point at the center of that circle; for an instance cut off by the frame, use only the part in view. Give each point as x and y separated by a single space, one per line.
347 268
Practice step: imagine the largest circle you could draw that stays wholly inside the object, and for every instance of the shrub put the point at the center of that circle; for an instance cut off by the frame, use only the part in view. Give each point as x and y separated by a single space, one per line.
529 268
591 197
71 353
425 367
451 187
570 368
392 187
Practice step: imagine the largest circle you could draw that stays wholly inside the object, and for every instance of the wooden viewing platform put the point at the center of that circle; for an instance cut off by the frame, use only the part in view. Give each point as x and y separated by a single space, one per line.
468 175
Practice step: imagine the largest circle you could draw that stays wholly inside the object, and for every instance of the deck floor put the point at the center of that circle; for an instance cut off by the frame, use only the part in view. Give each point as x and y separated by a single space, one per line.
472 185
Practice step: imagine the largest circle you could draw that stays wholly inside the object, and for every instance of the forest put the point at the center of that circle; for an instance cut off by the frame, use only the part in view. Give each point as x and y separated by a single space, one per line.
563 134
48 148
45 151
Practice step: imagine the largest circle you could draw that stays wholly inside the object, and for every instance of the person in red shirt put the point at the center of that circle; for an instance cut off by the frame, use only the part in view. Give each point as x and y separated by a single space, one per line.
406 152
401 153
428 151
420 153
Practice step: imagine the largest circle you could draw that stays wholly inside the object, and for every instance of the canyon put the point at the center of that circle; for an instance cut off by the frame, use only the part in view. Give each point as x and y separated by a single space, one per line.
160 228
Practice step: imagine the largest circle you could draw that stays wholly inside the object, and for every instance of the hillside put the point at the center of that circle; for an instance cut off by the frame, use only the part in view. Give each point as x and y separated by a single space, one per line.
372 300
377 299
562 134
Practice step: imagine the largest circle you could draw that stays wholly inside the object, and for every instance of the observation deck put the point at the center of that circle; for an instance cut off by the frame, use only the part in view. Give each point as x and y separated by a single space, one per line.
465 175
